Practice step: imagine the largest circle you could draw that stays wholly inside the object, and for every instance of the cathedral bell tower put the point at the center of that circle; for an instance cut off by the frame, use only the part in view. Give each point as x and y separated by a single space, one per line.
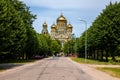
44 30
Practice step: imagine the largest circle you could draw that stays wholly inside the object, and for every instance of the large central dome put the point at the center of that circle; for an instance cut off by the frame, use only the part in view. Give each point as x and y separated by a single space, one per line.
61 18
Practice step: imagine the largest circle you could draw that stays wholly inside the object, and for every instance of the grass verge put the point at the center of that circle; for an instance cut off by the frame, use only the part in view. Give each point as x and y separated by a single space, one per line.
115 72
89 61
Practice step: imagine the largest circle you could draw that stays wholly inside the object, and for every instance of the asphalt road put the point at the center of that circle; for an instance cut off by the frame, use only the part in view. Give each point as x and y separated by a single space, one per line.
57 68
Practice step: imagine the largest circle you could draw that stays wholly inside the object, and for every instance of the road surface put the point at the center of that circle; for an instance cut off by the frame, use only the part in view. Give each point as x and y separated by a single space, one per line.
57 68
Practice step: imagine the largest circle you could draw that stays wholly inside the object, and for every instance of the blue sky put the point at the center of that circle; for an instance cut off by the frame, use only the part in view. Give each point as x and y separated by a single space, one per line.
50 10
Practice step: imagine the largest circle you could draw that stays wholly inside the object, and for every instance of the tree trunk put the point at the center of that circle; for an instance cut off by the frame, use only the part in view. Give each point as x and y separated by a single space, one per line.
97 55
94 54
113 57
101 55
112 54
106 56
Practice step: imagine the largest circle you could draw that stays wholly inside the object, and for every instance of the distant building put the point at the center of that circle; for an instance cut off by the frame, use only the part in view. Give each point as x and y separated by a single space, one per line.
60 31
44 30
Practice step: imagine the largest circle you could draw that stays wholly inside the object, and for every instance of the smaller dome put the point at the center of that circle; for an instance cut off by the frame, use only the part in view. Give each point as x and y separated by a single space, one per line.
69 26
53 26
45 24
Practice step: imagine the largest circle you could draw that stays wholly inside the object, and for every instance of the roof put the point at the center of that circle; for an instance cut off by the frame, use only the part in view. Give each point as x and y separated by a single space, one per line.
69 26
61 18
45 24
53 26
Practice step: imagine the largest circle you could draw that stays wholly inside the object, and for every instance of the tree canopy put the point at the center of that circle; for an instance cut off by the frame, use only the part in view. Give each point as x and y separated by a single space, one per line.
103 35
18 39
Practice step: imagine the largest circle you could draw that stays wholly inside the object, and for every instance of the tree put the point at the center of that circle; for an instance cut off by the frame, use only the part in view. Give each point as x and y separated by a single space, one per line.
12 30
103 35
15 19
70 47
55 46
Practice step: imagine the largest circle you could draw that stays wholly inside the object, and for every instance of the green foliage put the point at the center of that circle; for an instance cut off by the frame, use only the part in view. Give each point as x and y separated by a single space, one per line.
89 61
70 47
55 46
18 39
44 45
103 35
12 28
31 43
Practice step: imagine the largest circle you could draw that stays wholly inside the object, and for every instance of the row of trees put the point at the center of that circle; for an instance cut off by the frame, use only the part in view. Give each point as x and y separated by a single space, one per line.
103 38
70 46
18 39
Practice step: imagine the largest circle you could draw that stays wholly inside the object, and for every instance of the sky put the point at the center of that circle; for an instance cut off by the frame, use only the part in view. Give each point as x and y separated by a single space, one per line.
49 10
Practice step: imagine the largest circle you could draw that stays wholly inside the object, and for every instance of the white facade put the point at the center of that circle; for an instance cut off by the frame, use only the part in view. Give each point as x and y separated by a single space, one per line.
61 30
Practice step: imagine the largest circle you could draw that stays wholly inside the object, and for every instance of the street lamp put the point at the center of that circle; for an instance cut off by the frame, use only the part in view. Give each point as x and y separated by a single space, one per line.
85 37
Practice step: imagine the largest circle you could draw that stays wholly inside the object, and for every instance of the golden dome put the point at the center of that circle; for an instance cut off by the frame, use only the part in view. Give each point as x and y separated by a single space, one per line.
69 26
45 24
53 26
61 18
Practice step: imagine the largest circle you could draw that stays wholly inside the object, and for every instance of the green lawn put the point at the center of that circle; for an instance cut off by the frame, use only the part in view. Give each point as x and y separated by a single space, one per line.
88 61
112 71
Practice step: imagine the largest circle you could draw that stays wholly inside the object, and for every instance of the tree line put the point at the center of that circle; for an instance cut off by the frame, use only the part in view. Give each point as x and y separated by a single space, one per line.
103 36
103 39
18 39
70 46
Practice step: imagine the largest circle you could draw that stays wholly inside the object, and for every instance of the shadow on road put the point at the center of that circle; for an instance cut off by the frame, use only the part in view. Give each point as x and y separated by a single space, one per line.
9 66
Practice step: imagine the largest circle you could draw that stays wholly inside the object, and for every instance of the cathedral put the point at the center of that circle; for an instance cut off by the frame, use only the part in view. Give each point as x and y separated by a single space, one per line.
60 31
